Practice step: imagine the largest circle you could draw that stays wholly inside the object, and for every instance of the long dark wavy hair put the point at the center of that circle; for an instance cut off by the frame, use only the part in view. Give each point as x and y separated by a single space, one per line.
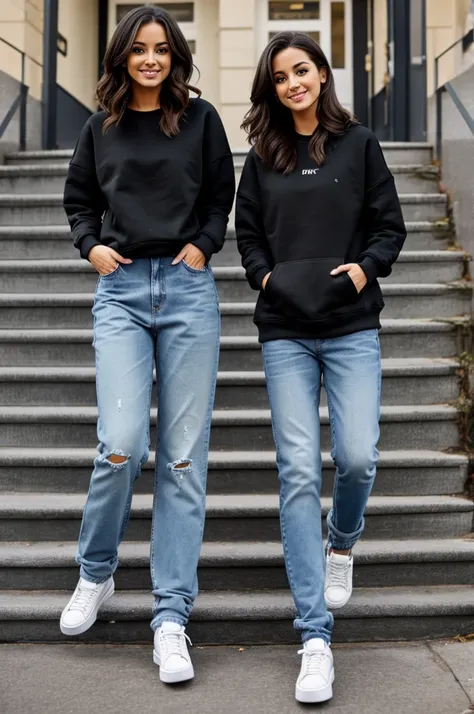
114 90
270 124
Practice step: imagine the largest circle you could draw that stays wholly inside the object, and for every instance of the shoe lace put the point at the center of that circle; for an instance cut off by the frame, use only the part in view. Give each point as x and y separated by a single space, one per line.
84 599
175 643
338 573
312 661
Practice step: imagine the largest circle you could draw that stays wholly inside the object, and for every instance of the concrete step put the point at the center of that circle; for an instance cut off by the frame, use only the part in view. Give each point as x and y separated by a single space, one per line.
47 209
73 347
59 276
405 381
73 310
54 242
245 565
430 427
50 178
38 158
52 517
254 617
399 473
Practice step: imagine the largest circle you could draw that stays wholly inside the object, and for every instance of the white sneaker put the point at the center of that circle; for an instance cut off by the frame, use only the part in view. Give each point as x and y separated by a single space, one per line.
81 611
314 683
338 581
171 654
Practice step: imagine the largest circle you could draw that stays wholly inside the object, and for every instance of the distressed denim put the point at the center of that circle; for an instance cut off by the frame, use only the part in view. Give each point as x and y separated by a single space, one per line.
350 367
145 314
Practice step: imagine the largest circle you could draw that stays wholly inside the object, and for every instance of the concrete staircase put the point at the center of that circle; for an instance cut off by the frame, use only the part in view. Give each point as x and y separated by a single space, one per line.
414 569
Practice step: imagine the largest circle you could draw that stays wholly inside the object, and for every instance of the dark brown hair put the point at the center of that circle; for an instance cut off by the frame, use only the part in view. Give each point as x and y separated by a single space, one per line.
270 124
114 90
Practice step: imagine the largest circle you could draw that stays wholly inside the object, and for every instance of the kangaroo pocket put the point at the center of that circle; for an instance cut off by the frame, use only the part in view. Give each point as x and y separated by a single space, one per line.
306 290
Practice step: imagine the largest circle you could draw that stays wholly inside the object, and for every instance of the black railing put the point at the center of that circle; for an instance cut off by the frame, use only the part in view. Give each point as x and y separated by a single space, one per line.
20 103
466 41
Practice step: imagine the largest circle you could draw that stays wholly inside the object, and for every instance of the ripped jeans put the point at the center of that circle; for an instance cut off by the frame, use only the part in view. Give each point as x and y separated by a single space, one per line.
145 314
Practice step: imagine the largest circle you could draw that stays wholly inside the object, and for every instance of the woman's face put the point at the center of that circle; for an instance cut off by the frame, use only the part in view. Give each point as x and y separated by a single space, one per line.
149 61
297 79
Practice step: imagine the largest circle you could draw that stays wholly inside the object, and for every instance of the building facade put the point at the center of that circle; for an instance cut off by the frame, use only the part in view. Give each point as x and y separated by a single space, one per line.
360 37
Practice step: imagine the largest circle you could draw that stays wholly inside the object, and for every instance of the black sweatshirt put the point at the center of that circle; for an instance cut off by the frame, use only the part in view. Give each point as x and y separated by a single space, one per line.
147 195
302 225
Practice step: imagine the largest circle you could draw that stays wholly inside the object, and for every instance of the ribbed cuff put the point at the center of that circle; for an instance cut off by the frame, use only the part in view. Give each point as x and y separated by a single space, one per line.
370 268
259 275
86 246
205 244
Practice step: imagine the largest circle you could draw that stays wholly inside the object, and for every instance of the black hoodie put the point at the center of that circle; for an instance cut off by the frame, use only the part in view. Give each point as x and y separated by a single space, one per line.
302 225
147 195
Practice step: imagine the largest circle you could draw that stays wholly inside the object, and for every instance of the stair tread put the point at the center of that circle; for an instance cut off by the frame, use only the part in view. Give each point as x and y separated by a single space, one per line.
64 334
85 414
238 459
73 265
399 366
70 505
366 603
239 554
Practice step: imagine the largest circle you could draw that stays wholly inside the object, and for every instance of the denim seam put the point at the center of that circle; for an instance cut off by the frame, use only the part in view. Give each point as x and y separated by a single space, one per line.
333 454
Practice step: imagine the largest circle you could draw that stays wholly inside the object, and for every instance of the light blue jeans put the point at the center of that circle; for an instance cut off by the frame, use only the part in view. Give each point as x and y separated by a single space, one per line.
145 313
350 367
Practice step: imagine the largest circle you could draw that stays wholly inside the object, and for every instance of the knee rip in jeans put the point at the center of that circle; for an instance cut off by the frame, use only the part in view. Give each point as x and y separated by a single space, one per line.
180 468
117 459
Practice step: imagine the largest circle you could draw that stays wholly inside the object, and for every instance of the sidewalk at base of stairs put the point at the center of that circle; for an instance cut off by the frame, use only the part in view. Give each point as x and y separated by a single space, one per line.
435 677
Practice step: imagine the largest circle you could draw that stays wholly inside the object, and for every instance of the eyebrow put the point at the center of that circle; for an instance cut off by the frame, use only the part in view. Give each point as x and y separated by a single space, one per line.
295 66
158 44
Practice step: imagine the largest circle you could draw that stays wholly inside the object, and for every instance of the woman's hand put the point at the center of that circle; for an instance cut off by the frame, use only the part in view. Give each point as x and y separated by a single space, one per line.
192 256
105 260
355 272
265 280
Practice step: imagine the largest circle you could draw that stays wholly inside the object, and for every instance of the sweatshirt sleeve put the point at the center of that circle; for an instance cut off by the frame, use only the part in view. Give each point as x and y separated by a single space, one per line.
84 201
251 241
218 187
383 218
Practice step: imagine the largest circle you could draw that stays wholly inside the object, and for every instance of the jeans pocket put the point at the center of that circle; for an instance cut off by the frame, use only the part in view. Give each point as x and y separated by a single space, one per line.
114 272
190 269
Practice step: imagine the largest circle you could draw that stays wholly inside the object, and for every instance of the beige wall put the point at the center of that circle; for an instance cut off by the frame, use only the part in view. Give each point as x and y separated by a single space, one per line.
78 72
379 66
21 24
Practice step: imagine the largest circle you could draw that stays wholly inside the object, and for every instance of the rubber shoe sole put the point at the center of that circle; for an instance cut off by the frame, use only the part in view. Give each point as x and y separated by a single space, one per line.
183 675
337 606
314 696
89 621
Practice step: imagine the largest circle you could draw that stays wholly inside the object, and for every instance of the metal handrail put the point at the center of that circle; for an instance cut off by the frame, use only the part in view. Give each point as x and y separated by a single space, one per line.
467 40
20 102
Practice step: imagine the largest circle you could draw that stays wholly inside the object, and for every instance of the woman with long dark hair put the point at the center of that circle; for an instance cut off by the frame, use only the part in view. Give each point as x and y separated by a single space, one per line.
318 220
148 194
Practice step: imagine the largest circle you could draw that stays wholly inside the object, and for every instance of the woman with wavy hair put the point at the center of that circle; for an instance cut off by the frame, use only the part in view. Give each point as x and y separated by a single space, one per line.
148 194
318 220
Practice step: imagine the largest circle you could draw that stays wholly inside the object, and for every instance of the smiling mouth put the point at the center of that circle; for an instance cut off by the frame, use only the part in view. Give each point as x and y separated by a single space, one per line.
149 72
297 97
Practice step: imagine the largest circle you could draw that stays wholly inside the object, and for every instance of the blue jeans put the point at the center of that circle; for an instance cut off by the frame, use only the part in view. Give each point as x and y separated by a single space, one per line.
350 367
146 313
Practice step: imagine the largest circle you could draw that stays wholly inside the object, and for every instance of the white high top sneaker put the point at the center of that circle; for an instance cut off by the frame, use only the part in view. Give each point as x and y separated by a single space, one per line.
81 611
314 683
171 654
338 581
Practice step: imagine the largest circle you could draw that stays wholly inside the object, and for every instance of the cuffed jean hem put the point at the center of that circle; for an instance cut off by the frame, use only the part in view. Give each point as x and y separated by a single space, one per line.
158 621
310 635
96 581
339 540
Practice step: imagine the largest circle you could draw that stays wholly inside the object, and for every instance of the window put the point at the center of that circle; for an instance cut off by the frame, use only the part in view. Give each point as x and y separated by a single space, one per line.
316 35
338 42
279 10
182 12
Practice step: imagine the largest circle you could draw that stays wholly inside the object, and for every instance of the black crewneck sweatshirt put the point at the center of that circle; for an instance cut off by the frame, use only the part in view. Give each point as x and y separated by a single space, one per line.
145 194
301 226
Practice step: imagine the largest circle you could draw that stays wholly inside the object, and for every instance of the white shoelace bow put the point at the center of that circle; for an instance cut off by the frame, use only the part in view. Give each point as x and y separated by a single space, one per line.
338 573
83 599
312 661
174 643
